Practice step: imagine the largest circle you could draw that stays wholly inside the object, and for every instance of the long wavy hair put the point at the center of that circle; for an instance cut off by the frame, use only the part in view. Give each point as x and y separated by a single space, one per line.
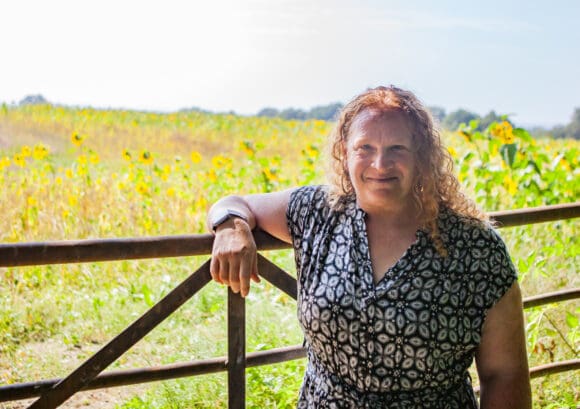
435 184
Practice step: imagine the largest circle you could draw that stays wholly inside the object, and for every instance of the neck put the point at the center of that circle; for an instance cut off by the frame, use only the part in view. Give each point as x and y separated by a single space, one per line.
401 220
399 217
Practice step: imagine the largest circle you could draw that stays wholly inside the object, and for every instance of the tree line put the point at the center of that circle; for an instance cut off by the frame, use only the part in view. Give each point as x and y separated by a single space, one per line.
324 112
448 121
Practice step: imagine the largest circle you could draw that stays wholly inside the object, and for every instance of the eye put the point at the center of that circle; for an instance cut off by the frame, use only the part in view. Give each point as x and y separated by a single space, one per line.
366 147
399 149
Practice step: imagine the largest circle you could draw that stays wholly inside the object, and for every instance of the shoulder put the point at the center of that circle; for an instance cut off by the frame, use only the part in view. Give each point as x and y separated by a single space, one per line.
313 197
478 248
454 226
474 241
308 205
461 234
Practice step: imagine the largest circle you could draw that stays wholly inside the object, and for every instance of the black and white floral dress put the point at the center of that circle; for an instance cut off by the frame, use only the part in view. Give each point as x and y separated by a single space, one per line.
408 341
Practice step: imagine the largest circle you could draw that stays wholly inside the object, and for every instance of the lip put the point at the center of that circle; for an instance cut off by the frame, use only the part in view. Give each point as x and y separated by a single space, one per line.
382 179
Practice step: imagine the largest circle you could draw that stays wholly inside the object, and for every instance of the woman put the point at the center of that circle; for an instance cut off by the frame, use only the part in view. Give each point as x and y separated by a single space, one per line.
401 281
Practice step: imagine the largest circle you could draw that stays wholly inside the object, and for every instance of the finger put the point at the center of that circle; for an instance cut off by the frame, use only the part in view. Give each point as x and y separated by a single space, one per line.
255 277
245 274
234 275
214 269
224 274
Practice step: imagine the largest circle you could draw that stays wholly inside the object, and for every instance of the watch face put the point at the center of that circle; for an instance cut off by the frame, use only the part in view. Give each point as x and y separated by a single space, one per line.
222 215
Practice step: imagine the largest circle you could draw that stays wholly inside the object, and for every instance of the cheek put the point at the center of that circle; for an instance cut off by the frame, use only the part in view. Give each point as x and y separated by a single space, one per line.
351 167
349 159
411 162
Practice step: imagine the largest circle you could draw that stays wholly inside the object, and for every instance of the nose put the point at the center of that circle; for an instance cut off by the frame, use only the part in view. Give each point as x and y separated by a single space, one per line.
383 160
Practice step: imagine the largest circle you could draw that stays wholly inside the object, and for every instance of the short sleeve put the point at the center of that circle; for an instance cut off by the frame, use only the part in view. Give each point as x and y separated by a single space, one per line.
501 273
304 208
305 216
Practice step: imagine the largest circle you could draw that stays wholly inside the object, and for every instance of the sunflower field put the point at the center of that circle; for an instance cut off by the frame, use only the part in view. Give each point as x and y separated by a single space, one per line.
78 173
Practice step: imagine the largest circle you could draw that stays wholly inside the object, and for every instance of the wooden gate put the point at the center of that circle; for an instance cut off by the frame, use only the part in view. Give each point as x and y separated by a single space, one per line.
54 392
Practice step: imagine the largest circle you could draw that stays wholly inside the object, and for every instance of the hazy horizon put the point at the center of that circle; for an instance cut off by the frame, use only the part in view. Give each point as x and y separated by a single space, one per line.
16 103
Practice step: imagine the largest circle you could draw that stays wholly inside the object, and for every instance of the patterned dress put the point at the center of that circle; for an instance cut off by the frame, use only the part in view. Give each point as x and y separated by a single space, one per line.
408 341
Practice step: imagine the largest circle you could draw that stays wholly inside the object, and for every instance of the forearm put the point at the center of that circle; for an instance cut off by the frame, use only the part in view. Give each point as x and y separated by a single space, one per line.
501 358
506 392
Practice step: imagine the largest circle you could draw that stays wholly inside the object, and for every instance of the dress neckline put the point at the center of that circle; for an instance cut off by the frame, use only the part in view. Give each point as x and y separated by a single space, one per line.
390 273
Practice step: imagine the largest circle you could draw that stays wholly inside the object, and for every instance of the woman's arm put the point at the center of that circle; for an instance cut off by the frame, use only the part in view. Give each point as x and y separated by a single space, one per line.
234 254
502 362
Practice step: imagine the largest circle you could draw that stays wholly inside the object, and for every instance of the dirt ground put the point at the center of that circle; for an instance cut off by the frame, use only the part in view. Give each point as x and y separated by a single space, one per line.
97 399
70 357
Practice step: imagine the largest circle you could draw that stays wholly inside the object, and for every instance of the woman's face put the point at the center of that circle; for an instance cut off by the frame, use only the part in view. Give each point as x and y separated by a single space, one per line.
381 161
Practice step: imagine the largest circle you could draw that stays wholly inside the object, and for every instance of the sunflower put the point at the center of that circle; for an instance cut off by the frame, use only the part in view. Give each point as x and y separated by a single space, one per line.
146 157
142 188
504 131
40 152
248 148
4 162
195 157
77 138
26 151
19 160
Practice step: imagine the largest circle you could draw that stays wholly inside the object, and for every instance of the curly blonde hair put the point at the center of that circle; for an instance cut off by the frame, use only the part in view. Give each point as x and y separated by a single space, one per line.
436 186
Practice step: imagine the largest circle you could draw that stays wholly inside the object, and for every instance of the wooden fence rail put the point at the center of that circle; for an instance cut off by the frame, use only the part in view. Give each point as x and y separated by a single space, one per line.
54 392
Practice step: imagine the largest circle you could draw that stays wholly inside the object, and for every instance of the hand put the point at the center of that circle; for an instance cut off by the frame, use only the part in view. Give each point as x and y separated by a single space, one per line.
234 256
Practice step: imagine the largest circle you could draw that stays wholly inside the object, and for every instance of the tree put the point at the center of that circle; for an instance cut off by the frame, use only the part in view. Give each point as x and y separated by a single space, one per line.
573 128
269 112
460 116
33 100
488 119
438 113
558 131
325 112
196 109
293 113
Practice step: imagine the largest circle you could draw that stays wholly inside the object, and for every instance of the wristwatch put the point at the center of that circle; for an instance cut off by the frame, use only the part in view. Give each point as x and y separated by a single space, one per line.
223 215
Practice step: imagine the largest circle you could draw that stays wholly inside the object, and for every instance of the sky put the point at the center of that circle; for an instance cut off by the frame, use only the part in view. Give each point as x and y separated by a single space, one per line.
520 58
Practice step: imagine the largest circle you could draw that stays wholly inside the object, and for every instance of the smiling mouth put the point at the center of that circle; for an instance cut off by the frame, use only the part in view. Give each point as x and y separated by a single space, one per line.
383 179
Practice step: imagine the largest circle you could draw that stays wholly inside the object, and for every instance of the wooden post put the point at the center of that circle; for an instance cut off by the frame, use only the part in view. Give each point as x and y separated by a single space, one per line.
85 373
236 351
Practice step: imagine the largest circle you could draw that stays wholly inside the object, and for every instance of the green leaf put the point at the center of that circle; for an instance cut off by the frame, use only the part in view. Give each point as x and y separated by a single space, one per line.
534 165
473 124
550 332
522 134
485 157
468 156
523 267
508 153
556 161
571 320
494 143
